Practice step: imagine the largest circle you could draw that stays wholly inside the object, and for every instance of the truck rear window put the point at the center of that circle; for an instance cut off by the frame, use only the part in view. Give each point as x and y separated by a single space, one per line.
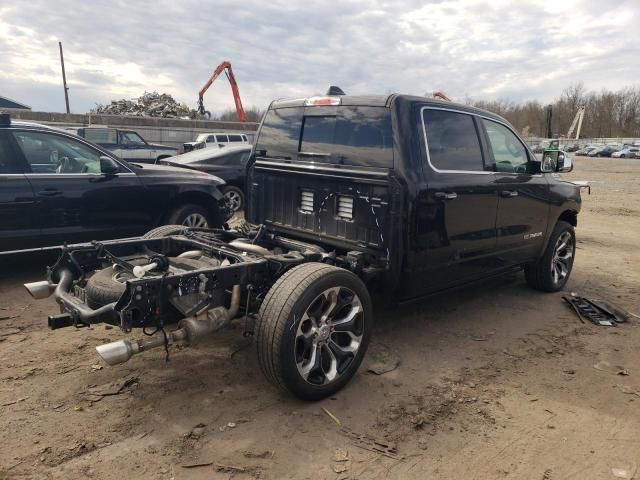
347 135
100 135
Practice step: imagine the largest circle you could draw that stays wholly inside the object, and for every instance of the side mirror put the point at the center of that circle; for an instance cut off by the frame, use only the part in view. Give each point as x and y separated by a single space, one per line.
108 166
556 161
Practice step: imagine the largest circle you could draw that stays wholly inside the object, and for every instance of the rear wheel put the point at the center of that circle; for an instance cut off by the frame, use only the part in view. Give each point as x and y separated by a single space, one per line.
551 272
190 215
315 325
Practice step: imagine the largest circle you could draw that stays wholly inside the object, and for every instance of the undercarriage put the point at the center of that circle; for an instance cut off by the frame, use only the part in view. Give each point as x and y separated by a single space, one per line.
181 284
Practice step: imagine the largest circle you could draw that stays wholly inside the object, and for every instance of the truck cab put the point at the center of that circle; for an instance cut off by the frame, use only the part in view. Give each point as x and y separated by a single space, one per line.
434 193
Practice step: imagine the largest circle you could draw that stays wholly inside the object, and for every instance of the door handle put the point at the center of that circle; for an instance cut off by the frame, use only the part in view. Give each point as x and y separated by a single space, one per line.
509 193
446 195
49 192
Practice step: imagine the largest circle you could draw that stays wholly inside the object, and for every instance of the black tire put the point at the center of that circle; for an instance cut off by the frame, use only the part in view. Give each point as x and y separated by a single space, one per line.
234 198
103 288
279 343
540 275
182 215
164 231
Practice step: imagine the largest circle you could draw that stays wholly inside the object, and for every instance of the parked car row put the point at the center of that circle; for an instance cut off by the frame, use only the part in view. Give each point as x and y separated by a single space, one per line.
612 150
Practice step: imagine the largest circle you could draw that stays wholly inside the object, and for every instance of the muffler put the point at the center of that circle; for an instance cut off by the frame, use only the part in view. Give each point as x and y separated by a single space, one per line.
40 290
190 330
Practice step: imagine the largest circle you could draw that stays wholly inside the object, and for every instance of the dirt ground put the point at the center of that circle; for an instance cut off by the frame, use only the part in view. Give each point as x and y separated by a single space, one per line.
494 381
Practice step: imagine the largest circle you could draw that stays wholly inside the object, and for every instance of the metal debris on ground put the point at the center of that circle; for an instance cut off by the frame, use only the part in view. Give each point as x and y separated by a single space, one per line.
383 360
598 312
150 104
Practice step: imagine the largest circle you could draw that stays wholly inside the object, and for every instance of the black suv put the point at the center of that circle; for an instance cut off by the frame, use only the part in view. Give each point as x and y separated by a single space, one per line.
398 195
56 188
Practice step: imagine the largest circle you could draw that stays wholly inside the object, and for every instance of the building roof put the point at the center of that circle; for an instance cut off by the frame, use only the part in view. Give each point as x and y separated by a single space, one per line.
8 103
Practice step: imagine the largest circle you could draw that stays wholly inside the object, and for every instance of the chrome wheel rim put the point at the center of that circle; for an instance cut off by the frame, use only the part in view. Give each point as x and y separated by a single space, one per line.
562 258
233 200
329 336
195 220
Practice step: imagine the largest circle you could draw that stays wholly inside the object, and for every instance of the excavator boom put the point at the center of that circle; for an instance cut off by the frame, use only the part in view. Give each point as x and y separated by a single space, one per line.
223 67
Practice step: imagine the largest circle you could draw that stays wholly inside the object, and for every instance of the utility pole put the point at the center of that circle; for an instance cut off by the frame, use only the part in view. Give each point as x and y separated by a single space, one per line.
64 78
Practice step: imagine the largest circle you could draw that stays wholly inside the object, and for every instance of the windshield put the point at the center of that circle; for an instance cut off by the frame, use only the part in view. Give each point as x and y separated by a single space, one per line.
202 137
349 135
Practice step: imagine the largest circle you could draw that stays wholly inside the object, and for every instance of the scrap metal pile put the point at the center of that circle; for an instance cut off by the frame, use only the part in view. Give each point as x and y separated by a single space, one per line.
150 104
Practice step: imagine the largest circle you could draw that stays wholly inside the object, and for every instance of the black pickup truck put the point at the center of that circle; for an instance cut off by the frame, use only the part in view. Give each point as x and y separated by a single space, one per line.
347 195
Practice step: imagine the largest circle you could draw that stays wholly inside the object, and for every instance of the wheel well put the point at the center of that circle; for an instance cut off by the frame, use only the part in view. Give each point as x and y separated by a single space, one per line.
162 157
569 216
198 198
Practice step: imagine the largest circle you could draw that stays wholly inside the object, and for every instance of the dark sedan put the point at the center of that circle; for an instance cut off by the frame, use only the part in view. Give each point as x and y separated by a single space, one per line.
228 163
57 187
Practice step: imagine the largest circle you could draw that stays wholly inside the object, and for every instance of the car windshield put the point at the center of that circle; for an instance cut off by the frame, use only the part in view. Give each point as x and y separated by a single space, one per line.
202 137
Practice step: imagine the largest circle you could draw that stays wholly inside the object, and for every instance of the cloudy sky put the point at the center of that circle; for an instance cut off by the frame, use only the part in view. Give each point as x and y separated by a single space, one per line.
514 49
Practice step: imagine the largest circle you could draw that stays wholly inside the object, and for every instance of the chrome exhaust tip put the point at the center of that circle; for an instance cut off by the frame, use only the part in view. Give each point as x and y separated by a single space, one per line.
117 352
40 290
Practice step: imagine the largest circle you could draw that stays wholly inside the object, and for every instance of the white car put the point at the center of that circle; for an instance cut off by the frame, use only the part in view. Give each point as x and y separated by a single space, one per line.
216 140
628 152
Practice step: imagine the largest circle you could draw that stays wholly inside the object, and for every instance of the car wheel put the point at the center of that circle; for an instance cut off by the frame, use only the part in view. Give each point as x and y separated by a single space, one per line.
622 156
234 198
551 272
314 329
190 215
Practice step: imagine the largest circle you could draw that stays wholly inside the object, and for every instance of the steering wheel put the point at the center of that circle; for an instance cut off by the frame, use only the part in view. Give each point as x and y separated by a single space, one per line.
64 165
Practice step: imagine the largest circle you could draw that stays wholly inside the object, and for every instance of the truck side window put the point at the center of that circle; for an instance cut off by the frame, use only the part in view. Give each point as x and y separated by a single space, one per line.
508 152
452 141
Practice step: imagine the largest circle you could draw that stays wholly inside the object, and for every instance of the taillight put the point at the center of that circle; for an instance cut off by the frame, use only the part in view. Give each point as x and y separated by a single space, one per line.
317 101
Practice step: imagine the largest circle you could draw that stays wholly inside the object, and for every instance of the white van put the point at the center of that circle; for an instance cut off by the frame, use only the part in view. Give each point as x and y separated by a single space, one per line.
216 140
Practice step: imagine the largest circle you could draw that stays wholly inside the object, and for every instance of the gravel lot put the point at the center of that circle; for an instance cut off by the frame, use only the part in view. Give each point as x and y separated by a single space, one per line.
494 381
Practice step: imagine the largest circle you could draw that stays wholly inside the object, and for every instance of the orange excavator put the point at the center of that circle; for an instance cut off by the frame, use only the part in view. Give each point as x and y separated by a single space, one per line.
226 68
441 96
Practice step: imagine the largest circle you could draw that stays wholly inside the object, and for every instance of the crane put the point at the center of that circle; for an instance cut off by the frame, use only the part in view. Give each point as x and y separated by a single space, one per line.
577 120
225 67
441 96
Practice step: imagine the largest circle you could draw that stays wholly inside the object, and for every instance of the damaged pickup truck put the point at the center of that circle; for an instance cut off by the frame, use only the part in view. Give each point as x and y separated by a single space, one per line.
395 195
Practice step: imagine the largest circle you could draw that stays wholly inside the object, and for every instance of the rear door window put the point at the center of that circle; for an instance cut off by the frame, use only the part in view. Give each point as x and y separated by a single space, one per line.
222 139
235 138
452 141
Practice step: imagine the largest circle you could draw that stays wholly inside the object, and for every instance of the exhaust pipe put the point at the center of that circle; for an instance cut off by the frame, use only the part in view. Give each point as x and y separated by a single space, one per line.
189 331
40 290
